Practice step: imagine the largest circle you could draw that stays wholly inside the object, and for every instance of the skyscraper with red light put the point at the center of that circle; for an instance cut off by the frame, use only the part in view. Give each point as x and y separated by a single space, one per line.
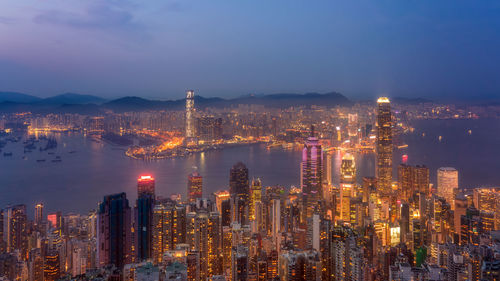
195 187
143 216
145 185
55 219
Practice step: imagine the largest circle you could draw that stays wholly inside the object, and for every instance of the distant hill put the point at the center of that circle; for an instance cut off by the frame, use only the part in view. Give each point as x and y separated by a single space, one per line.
71 98
274 100
131 104
87 104
17 97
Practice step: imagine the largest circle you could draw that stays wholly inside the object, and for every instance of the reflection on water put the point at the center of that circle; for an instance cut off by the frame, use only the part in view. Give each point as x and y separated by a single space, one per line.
80 181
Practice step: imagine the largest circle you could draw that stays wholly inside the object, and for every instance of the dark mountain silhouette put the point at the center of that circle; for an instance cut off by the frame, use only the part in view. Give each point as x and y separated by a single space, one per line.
71 98
86 104
17 97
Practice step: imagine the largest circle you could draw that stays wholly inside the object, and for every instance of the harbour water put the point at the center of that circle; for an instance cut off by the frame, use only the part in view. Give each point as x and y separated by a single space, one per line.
90 169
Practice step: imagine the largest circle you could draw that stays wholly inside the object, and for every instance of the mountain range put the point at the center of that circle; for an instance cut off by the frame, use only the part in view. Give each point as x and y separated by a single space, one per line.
88 104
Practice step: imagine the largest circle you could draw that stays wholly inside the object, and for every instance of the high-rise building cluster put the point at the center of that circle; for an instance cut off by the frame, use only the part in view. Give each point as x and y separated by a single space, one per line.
354 227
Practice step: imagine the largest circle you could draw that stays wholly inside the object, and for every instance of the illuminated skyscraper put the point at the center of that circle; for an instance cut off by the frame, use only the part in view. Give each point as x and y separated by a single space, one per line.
114 235
214 244
161 232
255 197
447 181
328 169
189 115
169 229
144 216
52 264
412 180
15 227
348 169
347 185
311 174
195 187
145 185
384 145
55 220
223 204
239 190
38 213
205 237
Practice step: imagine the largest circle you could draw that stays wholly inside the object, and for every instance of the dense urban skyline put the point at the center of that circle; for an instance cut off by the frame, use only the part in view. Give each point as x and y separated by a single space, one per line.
284 140
155 49
335 221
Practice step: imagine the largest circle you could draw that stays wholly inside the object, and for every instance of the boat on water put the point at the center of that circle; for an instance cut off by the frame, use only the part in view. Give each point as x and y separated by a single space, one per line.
56 160
72 151
58 157
7 154
40 160
51 153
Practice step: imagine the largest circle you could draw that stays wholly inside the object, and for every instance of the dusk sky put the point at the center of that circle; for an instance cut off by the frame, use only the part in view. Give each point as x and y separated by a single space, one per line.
160 48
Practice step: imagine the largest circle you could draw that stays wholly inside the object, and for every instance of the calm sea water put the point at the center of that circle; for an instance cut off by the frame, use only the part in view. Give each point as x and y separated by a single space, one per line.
80 181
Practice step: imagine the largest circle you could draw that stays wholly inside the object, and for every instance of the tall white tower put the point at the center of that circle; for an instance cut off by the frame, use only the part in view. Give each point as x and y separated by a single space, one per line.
189 115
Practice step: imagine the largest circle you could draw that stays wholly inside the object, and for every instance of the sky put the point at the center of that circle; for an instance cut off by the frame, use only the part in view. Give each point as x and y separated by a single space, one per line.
160 48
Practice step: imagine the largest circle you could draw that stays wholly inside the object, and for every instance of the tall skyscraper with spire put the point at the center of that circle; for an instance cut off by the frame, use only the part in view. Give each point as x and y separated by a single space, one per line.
311 174
189 115
384 145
